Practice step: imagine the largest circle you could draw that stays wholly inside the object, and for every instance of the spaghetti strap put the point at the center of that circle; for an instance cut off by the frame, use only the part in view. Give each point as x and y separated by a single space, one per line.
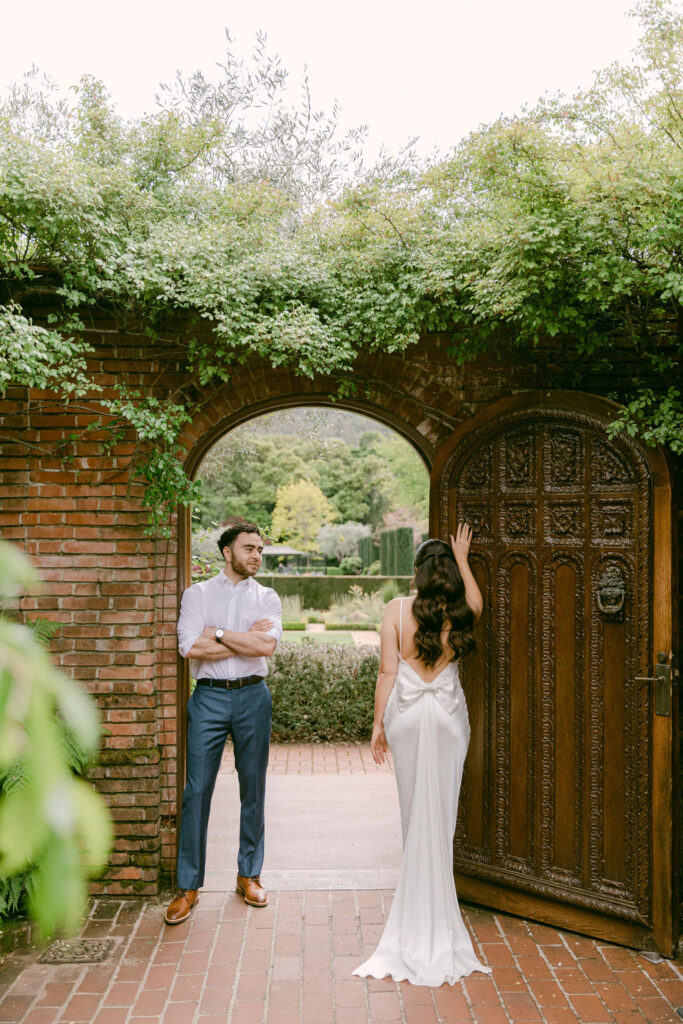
400 627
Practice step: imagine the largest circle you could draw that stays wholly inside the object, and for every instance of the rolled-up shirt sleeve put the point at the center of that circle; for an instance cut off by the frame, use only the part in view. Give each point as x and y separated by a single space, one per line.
191 621
272 609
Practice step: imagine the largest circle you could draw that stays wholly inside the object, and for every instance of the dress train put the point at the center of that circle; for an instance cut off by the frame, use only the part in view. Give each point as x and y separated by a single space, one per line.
425 940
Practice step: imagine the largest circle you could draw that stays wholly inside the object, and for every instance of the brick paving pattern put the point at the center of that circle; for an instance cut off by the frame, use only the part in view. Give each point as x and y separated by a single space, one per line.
317 759
291 963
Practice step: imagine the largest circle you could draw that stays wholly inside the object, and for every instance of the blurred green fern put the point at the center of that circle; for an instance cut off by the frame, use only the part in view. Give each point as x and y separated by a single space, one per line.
15 888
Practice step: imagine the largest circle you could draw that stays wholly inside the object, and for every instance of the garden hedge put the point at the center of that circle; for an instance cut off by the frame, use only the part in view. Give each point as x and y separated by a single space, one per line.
397 551
368 550
320 591
404 550
322 693
346 626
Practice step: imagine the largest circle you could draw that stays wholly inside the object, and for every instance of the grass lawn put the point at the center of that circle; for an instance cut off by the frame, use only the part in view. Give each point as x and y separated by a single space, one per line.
295 636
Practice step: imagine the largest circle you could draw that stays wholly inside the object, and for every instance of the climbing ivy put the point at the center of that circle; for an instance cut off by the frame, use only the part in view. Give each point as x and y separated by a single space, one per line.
556 231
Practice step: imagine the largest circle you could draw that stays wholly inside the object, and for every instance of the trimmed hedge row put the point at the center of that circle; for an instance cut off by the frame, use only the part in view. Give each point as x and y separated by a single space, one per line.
321 591
368 550
397 551
322 693
346 626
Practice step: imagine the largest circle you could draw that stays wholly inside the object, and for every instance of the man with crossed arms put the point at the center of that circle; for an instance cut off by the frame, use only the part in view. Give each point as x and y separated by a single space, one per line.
228 626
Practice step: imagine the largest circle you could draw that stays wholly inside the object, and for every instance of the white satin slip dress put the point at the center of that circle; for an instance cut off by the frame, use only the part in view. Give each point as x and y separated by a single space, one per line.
425 940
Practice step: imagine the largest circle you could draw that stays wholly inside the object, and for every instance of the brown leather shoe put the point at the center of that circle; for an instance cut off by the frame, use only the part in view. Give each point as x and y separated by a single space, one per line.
179 909
251 891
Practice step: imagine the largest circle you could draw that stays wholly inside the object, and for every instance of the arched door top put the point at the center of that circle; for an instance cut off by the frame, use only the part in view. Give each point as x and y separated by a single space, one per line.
570 407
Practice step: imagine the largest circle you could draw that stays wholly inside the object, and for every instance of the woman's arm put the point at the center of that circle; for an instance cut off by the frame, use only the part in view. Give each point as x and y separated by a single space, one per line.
388 666
461 549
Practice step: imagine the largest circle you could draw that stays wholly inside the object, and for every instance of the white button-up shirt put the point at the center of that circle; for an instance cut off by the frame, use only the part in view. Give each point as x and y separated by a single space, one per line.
220 603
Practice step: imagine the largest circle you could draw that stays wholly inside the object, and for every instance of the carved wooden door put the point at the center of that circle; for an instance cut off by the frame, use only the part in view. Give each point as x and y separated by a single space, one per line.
566 813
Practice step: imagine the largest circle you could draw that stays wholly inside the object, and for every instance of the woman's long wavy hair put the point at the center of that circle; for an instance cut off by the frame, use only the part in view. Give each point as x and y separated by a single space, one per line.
440 600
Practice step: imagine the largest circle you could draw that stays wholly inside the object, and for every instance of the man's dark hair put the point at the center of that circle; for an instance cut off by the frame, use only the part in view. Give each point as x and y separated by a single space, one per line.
230 535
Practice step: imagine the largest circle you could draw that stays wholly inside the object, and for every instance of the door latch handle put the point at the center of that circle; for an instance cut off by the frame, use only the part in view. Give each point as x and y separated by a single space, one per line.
662 684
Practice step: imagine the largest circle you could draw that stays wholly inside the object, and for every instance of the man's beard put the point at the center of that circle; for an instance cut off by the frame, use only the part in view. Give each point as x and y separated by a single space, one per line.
242 569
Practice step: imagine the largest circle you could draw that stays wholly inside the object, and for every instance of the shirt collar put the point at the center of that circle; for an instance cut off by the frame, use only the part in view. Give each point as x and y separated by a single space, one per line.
224 581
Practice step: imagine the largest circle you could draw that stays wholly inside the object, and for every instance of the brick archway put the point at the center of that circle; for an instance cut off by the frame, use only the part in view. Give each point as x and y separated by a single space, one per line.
422 396
225 421
114 590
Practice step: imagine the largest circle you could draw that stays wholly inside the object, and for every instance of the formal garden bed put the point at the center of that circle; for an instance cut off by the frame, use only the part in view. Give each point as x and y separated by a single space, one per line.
322 683
354 609
336 637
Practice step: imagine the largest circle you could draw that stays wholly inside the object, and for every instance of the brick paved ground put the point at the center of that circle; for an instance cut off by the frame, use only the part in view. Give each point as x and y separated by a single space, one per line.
317 758
291 963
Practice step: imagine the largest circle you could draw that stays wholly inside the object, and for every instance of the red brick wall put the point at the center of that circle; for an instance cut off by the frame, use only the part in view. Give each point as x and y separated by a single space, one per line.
115 591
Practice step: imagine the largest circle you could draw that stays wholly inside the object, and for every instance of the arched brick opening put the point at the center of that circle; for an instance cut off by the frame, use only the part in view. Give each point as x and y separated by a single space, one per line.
203 444
420 394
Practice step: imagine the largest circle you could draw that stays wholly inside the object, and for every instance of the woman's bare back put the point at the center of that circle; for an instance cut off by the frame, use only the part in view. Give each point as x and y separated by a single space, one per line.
406 628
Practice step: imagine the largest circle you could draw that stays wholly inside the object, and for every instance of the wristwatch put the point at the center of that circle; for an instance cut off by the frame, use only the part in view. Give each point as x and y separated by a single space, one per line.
219 635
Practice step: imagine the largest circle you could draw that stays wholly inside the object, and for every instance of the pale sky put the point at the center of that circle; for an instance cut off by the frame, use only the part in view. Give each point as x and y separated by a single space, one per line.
433 68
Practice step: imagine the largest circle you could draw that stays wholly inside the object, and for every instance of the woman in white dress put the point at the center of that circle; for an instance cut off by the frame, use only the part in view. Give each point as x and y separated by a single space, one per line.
420 712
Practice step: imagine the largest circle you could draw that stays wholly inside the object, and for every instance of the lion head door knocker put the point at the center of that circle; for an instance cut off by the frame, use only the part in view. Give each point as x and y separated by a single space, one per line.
612 594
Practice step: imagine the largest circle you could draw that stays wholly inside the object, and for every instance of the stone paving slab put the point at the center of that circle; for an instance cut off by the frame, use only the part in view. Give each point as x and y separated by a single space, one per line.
291 963
332 820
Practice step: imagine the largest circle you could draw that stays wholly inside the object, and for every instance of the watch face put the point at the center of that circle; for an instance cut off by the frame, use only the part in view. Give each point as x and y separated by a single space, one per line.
219 635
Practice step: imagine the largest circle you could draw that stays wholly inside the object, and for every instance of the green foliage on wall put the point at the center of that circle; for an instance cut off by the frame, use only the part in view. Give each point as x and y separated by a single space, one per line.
554 235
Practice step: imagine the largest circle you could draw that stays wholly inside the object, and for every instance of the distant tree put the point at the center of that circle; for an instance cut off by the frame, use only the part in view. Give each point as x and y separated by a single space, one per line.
355 480
406 517
339 540
407 477
301 509
242 476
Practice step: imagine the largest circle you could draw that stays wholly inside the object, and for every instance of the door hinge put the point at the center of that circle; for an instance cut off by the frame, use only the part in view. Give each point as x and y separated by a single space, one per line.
662 678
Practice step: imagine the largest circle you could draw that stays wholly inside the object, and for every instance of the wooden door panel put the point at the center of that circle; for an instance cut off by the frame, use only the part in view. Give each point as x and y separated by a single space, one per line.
557 801
515 725
562 720
474 817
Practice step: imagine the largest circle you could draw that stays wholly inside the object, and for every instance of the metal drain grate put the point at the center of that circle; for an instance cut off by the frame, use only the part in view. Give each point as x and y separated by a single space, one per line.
78 951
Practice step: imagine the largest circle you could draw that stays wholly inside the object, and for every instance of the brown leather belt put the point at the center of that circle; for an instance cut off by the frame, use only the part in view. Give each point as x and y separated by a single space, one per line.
231 684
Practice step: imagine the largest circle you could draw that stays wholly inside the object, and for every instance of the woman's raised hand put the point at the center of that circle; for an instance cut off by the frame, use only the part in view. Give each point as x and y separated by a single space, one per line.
461 542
